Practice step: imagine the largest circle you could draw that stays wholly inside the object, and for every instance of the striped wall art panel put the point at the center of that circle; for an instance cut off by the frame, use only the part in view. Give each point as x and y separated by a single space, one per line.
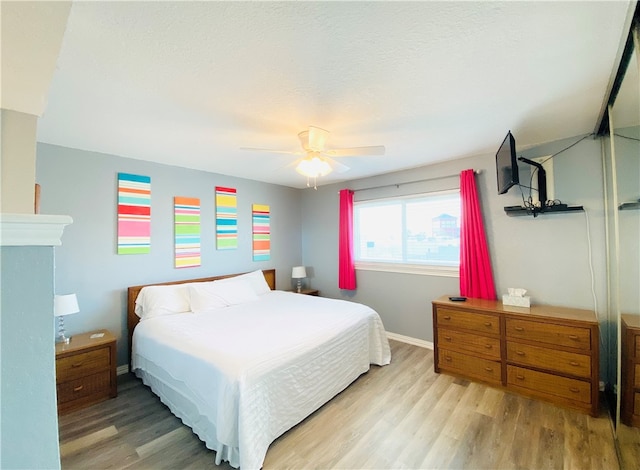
261 233
187 231
134 214
226 218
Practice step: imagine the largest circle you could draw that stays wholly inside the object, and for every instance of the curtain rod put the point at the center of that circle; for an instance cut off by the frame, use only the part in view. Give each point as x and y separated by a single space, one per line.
397 185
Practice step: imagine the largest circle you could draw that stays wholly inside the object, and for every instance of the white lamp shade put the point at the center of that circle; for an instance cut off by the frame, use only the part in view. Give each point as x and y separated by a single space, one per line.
298 272
313 167
65 305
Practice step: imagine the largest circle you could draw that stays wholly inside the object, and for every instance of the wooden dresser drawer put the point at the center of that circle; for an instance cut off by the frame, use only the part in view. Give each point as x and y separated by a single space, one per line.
540 382
469 342
476 322
79 365
545 352
544 358
549 333
636 403
473 366
84 387
637 349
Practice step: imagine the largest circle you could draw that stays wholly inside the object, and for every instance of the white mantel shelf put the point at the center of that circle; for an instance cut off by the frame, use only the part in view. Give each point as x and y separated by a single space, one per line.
32 229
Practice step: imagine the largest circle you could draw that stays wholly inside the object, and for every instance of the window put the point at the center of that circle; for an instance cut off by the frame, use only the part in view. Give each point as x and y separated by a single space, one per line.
419 233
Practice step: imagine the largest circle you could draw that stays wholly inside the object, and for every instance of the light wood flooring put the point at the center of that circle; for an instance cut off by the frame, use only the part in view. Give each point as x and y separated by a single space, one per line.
399 416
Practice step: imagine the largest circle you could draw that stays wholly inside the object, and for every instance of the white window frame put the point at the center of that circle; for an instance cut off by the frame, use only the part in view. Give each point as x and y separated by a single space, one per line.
432 269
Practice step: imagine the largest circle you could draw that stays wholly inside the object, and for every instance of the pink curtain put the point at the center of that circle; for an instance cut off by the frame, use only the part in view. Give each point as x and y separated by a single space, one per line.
476 278
346 263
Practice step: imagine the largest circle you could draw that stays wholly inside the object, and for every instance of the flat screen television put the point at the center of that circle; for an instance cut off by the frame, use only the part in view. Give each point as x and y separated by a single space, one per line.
507 164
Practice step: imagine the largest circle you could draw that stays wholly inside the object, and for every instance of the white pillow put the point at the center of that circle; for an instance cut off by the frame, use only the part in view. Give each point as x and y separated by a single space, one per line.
256 280
206 296
153 301
222 293
237 290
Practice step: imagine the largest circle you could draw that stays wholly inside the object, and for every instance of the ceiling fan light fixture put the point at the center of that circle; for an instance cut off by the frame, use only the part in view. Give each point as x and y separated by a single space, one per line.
313 167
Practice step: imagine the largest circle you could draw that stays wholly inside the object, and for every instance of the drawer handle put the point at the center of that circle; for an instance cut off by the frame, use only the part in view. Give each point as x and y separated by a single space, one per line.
574 389
488 346
488 369
573 337
520 353
520 377
76 365
448 338
446 317
518 328
488 324
78 388
574 363
447 358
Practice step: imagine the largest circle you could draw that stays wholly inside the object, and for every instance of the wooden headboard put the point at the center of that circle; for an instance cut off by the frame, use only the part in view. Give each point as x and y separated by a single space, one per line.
133 291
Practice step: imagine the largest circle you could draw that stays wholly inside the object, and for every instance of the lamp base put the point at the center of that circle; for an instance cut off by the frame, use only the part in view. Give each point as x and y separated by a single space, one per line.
299 286
61 338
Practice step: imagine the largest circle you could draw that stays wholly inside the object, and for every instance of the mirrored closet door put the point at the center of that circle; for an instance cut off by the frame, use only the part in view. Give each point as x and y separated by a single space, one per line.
623 206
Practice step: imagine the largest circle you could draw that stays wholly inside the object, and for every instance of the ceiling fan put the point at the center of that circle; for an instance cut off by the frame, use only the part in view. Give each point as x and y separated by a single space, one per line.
317 160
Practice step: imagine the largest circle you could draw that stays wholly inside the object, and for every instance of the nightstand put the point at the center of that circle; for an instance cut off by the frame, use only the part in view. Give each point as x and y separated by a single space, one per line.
86 370
315 292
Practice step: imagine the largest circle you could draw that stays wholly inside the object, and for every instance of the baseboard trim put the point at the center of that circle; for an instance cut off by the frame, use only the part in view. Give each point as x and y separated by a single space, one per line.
121 370
409 340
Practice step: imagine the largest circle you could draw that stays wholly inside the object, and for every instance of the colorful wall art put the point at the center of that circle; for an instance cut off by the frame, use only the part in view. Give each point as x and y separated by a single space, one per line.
226 218
261 233
187 231
134 214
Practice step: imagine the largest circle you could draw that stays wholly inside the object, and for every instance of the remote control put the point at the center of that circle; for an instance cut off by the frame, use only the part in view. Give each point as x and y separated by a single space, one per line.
457 299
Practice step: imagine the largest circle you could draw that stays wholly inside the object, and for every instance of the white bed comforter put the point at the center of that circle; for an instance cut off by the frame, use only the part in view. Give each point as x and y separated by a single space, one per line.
243 375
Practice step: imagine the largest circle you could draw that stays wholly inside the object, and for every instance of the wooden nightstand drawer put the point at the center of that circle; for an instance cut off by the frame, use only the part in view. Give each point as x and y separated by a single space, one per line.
473 366
636 380
636 403
476 322
470 343
544 358
86 370
637 345
552 334
540 382
80 365
96 384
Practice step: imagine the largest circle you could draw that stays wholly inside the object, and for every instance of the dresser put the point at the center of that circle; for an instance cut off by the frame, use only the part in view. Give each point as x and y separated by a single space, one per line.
545 352
85 370
630 346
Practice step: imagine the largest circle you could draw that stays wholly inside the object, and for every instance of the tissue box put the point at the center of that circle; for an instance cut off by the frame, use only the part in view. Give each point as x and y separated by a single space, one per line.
516 301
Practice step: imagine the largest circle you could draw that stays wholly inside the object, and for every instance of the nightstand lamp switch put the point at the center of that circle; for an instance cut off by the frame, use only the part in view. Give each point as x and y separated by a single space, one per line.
299 273
64 305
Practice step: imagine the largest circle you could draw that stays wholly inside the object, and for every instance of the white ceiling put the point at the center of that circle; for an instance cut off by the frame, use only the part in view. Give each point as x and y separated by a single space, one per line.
189 83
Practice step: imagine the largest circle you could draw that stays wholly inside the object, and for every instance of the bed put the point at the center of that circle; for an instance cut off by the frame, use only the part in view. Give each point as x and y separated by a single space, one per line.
242 363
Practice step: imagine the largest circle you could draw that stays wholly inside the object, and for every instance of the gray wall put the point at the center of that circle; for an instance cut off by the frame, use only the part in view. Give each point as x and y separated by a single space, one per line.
84 185
29 427
548 255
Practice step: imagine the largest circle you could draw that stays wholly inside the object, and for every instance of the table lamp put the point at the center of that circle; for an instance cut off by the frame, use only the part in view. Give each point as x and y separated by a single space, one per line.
299 273
64 305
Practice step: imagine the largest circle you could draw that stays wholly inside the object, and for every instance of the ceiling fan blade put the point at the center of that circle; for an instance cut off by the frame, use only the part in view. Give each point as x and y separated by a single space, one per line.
317 138
355 151
287 152
336 166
